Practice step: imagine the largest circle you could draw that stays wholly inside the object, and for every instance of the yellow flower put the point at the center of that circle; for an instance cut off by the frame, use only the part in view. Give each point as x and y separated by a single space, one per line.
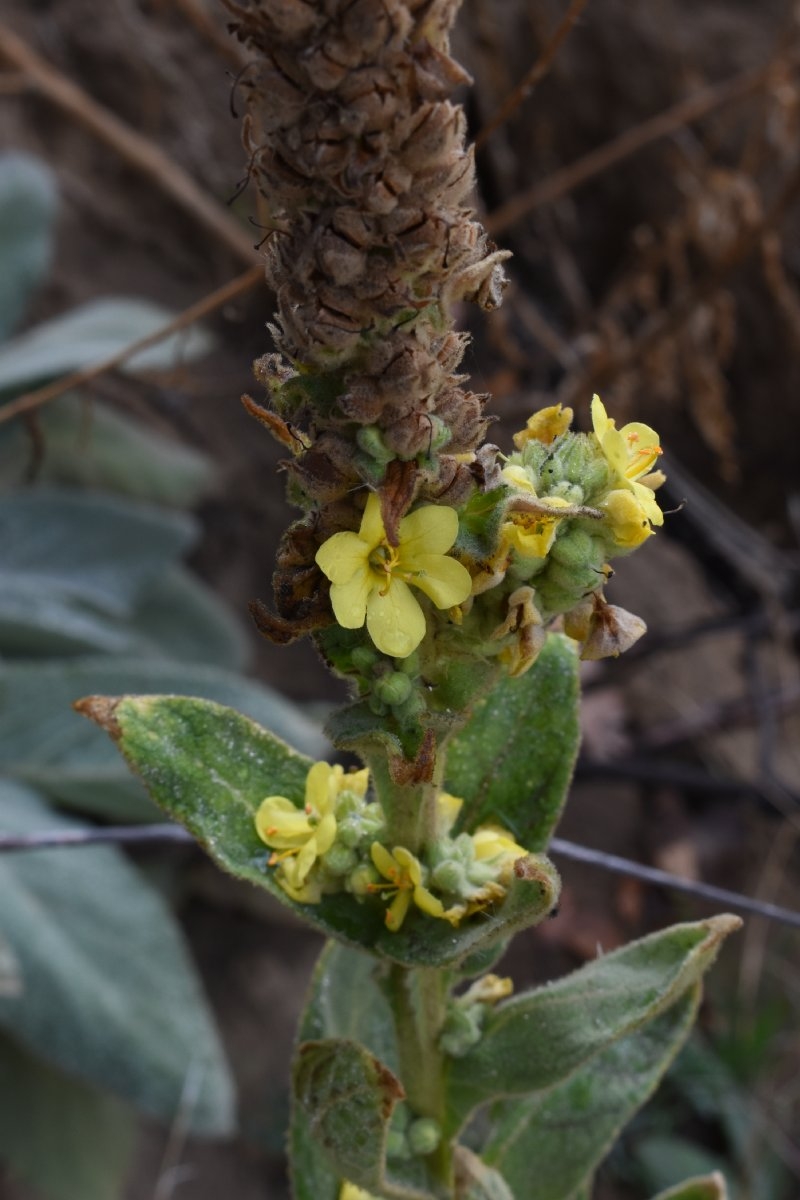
496 847
545 426
531 534
630 453
370 577
299 836
403 871
628 519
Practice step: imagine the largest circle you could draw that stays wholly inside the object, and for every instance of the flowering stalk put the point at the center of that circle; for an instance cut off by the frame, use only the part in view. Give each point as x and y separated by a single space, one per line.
452 585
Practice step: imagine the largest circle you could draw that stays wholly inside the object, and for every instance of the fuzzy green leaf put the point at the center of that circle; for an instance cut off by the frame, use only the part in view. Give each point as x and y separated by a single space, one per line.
91 333
106 548
10 976
44 743
28 203
560 1136
344 1002
705 1187
538 1039
86 444
108 990
210 768
347 1096
59 1135
513 761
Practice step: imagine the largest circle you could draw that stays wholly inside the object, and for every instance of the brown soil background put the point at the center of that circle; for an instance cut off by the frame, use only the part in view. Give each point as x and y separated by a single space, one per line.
691 751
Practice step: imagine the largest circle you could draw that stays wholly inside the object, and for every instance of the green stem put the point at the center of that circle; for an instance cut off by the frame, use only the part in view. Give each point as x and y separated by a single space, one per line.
410 810
418 997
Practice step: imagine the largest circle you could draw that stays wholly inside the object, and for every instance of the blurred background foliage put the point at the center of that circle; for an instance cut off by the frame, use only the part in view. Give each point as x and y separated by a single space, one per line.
140 510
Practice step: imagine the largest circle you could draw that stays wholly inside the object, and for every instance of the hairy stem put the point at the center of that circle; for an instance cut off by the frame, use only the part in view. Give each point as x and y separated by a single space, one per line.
418 998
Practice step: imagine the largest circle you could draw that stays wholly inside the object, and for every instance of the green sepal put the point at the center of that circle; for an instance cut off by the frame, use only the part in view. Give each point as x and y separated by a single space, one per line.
568 1129
705 1187
539 1038
513 761
209 767
357 728
479 523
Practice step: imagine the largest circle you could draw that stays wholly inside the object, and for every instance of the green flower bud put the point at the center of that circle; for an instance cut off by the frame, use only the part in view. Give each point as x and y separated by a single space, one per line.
360 880
461 1030
424 1135
449 876
576 547
578 579
410 710
397 1145
339 859
394 688
370 440
571 492
364 658
574 457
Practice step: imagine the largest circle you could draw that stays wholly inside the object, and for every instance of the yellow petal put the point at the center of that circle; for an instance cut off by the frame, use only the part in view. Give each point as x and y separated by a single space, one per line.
325 834
447 809
642 446
280 824
431 529
627 518
429 903
298 868
356 782
318 789
396 912
444 580
342 556
545 426
383 860
409 862
490 841
395 620
648 502
306 893
531 534
372 530
351 1192
517 477
615 448
349 600
601 422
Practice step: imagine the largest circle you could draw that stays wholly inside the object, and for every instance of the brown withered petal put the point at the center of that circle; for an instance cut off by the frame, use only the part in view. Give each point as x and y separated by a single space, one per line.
396 494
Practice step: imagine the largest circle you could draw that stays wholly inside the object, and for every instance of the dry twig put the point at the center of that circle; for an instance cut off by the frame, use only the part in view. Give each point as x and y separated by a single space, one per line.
624 145
534 76
198 15
215 300
130 145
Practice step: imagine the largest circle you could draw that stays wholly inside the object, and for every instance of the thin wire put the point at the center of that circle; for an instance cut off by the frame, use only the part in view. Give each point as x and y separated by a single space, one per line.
137 834
707 891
